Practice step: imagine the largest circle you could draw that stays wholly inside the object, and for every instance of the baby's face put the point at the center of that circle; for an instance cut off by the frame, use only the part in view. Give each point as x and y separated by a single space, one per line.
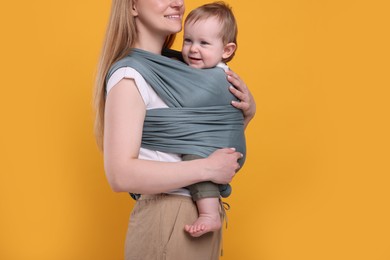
202 44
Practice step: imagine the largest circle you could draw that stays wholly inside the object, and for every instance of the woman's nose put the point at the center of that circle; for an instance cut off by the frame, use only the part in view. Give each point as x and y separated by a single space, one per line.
177 2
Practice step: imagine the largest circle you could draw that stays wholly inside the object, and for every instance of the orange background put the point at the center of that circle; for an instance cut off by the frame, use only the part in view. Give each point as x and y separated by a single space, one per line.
316 182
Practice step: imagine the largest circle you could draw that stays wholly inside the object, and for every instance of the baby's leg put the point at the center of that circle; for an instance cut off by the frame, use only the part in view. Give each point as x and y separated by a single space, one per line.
209 219
206 195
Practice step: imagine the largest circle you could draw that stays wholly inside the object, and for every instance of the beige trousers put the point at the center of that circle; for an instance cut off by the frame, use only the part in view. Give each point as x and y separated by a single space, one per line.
156 231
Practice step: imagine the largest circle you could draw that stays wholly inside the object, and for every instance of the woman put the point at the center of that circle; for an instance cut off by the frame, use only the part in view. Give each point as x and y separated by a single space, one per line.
156 228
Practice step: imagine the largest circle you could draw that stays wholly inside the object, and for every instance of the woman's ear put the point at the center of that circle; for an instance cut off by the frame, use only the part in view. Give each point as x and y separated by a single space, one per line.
228 50
134 11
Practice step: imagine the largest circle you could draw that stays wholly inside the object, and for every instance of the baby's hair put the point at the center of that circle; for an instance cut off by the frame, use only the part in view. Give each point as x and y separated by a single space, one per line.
223 12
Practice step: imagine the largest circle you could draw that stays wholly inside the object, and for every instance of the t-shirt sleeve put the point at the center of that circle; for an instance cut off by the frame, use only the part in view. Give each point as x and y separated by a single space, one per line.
129 73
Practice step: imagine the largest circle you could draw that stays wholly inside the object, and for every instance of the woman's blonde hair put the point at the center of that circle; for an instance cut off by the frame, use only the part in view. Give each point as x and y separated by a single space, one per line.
120 37
223 12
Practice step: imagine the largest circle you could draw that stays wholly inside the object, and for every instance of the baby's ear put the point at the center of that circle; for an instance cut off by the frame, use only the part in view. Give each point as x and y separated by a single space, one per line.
228 50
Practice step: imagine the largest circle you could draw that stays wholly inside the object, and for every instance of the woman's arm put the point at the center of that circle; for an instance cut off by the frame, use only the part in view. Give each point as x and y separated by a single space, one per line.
241 91
124 117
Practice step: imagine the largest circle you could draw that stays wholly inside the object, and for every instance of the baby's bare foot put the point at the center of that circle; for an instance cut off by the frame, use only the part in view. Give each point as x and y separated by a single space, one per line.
204 224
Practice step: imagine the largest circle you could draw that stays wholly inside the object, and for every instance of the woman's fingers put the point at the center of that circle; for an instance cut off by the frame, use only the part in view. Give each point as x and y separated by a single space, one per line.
224 164
246 101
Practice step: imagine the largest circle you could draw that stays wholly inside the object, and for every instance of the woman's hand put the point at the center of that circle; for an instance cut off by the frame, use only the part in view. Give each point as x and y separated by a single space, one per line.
247 103
222 165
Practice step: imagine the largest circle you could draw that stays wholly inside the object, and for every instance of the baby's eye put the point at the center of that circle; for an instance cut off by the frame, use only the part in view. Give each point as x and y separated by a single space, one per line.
186 40
204 43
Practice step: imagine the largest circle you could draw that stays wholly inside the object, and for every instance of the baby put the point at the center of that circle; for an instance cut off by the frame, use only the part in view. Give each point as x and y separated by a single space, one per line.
210 33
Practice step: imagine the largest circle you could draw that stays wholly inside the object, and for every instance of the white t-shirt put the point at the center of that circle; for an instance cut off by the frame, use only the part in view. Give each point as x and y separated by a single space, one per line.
151 100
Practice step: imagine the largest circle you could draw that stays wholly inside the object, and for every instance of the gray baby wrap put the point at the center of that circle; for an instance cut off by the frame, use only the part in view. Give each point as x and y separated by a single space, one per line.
199 118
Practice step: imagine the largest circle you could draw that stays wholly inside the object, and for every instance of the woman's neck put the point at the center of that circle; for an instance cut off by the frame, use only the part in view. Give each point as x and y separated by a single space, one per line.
152 43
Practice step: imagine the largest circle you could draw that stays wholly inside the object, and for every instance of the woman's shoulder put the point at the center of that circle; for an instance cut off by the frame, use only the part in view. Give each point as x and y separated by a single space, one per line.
125 73
149 96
